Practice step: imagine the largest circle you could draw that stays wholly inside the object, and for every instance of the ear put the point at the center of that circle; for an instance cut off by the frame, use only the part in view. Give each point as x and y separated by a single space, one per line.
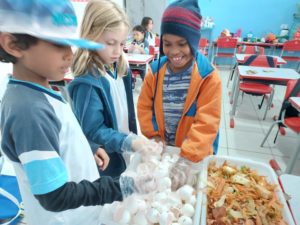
7 42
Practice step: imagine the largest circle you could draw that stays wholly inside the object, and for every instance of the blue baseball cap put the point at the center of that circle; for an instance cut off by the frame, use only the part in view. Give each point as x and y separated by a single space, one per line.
50 20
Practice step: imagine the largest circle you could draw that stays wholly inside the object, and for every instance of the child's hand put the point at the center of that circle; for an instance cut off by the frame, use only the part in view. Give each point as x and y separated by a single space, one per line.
158 139
131 183
101 158
183 172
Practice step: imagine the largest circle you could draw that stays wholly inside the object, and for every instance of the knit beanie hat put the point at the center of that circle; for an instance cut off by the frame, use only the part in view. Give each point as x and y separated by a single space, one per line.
182 18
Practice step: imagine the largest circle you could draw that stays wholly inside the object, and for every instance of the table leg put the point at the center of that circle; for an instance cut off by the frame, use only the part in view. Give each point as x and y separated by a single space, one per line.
234 104
234 84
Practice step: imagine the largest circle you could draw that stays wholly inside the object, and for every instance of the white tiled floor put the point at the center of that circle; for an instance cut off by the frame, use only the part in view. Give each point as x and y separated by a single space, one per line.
244 139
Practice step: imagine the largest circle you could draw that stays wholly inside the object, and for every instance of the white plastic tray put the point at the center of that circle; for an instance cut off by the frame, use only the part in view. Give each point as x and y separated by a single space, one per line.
261 168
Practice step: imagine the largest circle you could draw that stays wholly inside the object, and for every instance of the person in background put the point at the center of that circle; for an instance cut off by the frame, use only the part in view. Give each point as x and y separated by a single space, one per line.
147 23
225 33
180 100
139 45
56 171
101 92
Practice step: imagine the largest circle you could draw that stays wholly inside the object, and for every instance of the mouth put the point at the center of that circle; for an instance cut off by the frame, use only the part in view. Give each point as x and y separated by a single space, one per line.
177 59
114 58
65 69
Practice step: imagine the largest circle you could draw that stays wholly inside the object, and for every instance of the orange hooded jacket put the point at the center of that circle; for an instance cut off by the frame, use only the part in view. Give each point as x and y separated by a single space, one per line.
197 131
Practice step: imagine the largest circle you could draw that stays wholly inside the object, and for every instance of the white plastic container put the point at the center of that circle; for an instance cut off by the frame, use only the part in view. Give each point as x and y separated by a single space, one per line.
106 214
261 168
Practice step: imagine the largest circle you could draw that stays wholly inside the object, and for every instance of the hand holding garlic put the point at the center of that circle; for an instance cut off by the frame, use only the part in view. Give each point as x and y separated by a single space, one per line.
183 172
131 182
146 146
135 143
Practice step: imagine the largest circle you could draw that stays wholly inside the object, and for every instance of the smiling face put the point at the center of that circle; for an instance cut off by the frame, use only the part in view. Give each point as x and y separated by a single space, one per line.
114 41
178 51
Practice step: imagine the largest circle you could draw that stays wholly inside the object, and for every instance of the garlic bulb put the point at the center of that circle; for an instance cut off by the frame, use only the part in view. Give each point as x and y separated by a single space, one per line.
165 218
188 210
134 204
153 215
184 220
185 192
164 183
121 216
140 219
192 200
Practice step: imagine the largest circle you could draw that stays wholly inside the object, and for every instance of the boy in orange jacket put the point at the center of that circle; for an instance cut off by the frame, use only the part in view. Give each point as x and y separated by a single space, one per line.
180 100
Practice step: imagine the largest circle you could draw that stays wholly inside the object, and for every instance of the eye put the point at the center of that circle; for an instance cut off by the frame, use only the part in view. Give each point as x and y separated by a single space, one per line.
110 43
58 45
183 44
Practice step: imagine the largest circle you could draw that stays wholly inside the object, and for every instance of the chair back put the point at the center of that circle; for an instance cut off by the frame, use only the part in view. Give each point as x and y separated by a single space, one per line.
291 50
151 50
287 110
292 89
292 45
249 49
202 43
226 47
226 42
260 61
202 46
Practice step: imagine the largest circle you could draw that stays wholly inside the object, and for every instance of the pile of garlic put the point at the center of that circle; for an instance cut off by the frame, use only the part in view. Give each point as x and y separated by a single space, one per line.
163 207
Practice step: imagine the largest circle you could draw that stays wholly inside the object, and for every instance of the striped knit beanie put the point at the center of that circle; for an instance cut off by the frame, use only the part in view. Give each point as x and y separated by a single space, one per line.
182 18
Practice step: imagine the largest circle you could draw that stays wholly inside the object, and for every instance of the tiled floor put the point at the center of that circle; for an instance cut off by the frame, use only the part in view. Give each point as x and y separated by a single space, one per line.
244 139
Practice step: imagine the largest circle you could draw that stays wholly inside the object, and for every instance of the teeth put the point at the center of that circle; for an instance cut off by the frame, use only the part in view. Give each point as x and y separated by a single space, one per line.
177 58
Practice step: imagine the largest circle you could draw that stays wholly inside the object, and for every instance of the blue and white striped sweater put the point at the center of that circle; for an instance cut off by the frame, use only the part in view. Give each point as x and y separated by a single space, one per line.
175 87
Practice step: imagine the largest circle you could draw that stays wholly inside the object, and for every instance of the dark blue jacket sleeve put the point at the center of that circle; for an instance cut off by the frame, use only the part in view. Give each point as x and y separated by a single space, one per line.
73 195
92 115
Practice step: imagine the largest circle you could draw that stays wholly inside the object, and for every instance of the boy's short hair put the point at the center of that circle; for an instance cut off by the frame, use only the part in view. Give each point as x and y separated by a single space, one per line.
139 28
54 21
23 41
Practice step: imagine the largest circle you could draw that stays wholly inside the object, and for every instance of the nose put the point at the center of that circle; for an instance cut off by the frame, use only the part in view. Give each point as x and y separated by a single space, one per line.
68 55
174 51
118 50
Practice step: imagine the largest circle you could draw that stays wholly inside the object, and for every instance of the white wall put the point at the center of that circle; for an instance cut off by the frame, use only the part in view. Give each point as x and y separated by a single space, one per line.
137 9
80 6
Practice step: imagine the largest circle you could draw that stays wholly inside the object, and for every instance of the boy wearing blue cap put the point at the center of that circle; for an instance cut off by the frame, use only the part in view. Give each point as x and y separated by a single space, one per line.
58 178
180 100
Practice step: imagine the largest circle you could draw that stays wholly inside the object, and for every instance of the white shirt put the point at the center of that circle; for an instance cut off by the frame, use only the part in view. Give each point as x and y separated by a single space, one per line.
118 94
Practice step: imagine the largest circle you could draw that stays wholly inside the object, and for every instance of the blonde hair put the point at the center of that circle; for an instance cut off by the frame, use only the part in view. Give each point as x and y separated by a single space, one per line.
99 16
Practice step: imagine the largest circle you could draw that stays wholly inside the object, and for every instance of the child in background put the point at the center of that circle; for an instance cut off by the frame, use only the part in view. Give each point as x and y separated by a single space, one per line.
139 45
57 174
180 100
101 91
147 23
